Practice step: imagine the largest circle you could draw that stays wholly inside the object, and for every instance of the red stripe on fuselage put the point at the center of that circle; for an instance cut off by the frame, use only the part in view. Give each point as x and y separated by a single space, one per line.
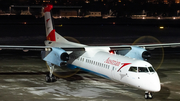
51 36
123 64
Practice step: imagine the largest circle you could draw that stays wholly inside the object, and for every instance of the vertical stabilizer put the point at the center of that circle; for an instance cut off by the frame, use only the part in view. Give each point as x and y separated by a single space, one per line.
50 31
51 34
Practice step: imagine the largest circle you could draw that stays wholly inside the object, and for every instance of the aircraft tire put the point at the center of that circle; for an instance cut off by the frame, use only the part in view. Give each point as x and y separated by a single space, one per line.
50 79
47 78
148 96
53 78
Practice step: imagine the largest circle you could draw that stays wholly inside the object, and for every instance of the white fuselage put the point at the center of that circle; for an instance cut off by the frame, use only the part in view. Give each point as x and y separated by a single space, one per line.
116 68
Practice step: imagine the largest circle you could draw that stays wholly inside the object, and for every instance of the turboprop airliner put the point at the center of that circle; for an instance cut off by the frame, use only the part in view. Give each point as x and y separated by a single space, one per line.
125 64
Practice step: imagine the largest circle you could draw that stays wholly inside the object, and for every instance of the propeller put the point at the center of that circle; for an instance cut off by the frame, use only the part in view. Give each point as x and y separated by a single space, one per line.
64 71
157 56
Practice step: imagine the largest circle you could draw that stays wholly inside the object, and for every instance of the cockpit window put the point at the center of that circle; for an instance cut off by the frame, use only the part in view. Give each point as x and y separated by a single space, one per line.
133 69
142 69
151 69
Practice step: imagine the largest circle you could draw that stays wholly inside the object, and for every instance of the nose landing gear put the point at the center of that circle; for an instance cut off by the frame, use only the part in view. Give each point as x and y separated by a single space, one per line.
148 95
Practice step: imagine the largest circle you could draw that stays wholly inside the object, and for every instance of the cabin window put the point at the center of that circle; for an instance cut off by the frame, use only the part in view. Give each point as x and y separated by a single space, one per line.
133 69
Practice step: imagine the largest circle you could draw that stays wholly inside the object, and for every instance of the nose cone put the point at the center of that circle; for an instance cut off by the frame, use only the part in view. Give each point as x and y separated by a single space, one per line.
151 83
155 85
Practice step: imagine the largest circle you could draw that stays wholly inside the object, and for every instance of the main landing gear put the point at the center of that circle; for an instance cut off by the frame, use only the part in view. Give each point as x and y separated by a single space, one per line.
50 77
148 95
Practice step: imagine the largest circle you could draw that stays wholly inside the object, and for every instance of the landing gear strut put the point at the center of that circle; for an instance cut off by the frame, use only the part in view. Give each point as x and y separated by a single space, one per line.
148 95
50 77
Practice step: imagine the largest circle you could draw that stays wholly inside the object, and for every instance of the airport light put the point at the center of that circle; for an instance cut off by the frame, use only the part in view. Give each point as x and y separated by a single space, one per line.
24 23
60 25
161 27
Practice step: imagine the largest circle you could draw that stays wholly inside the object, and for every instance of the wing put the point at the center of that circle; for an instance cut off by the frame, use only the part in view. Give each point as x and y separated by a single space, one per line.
152 46
76 48
145 46
34 48
37 48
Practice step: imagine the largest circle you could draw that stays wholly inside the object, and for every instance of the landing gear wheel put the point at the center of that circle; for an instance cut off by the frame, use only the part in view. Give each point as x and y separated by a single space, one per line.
53 78
47 78
50 79
148 95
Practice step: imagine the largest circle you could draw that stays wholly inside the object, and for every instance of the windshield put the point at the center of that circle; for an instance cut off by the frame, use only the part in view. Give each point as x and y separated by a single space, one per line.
133 69
151 69
142 69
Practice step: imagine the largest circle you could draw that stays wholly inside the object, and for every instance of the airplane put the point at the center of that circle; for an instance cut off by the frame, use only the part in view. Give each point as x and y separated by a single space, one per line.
125 64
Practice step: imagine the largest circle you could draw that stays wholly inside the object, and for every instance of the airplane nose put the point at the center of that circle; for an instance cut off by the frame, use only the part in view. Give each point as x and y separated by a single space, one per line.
156 86
154 83
151 83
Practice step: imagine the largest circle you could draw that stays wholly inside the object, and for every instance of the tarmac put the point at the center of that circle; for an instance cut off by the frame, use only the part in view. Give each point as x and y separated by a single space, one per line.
22 78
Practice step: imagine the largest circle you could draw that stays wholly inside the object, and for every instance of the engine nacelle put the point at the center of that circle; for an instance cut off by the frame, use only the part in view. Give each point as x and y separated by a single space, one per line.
138 53
56 56
64 56
146 55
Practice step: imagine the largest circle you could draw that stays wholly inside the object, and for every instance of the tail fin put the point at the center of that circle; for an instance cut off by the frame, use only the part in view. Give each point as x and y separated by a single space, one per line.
51 34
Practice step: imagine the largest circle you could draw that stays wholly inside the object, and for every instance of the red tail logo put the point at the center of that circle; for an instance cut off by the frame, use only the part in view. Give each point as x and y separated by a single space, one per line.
47 20
51 36
48 8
